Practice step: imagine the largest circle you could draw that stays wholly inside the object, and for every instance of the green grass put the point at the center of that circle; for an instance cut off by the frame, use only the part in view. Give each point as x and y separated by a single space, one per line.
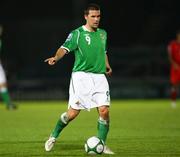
139 128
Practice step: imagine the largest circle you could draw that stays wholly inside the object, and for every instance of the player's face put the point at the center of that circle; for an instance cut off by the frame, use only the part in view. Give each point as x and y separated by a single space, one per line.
93 19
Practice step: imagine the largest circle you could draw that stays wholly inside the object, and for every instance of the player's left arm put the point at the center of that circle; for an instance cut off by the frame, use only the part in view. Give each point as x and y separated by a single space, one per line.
108 67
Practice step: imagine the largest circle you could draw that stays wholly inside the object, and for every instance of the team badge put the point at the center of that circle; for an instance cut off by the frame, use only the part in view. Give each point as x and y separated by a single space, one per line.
102 36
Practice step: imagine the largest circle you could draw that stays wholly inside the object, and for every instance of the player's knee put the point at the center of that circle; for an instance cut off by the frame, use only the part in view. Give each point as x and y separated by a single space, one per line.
65 118
104 112
72 113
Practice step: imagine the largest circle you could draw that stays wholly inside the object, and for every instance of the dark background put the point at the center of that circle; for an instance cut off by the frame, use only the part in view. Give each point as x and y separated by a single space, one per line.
138 34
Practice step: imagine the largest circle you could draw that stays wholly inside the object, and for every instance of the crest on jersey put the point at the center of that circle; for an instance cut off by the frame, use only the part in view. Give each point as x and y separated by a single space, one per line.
102 36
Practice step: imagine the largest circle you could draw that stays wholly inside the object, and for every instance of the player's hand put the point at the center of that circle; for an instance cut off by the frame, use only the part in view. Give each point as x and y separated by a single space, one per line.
108 71
50 61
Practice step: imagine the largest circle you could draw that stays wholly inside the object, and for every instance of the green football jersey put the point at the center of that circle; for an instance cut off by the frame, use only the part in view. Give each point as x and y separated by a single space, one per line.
89 49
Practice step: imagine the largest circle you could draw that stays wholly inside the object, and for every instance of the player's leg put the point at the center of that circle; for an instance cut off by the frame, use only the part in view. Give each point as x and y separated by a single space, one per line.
76 92
174 79
6 97
175 82
4 94
173 95
4 90
103 127
102 98
62 122
103 122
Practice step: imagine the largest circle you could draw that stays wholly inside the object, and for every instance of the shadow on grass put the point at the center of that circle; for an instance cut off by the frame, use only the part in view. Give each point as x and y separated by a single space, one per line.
36 148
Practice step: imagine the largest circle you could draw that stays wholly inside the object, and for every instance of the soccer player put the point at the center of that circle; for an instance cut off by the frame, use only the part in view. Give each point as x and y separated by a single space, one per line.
3 83
88 86
174 58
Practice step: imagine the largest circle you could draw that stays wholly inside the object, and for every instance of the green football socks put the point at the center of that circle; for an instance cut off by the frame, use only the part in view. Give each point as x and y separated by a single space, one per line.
5 96
59 127
62 122
103 129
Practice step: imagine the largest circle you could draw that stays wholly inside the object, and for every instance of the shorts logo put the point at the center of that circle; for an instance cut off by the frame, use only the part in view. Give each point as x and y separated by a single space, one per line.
108 96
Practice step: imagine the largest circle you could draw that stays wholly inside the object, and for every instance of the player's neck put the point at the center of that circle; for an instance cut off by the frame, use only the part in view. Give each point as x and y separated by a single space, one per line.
89 29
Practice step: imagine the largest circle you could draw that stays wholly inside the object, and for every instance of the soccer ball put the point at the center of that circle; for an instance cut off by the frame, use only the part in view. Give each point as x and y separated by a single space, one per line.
94 145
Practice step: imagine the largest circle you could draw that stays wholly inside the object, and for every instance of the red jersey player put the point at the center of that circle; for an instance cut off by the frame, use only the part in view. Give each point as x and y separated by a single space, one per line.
174 57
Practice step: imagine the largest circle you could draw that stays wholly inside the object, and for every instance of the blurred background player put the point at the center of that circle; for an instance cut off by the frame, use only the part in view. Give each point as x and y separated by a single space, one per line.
3 82
174 58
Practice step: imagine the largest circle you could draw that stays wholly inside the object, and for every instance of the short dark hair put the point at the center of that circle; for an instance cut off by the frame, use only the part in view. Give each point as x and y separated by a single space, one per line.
91 6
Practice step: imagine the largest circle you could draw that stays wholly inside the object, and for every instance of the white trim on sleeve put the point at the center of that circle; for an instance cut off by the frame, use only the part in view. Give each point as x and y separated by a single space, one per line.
65 49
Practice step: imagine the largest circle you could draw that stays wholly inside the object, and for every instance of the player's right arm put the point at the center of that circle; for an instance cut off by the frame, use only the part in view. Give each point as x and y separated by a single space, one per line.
69 45
58 55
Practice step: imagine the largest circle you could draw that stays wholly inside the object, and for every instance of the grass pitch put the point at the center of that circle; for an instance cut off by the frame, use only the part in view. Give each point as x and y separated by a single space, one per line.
139 128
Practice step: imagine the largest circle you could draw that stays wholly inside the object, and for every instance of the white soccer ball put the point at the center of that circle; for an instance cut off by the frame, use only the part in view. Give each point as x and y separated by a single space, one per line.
94 145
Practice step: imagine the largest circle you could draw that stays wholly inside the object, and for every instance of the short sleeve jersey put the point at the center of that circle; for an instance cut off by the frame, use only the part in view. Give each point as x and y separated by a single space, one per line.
174 49
89 49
